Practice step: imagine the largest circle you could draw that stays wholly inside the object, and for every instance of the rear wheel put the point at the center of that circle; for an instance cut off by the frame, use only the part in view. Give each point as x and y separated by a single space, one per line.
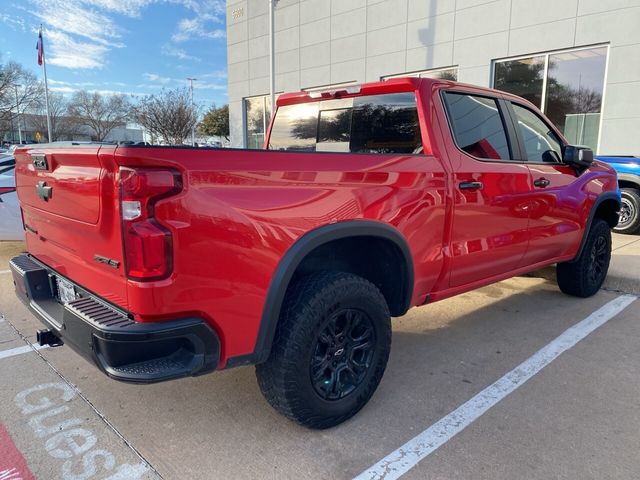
584 276
629 212
330 351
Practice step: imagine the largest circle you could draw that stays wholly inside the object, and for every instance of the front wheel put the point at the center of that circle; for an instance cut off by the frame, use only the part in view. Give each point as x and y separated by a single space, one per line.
330 352
584 276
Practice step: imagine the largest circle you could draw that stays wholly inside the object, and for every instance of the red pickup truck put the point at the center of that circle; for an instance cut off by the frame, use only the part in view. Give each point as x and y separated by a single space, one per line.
163 262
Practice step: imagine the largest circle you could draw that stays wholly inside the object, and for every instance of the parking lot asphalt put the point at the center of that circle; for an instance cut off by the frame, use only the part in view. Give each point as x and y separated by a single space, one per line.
578 417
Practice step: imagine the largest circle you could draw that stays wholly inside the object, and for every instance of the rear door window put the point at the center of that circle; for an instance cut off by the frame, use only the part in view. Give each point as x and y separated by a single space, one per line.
477 126
370 124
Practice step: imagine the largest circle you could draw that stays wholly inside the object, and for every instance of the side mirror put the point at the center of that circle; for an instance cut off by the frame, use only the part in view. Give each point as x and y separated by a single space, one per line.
577 156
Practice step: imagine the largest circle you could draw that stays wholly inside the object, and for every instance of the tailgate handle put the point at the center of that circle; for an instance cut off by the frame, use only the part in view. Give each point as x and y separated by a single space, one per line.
471 185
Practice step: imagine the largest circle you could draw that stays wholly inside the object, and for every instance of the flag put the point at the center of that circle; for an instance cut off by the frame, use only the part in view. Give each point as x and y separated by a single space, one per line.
40 48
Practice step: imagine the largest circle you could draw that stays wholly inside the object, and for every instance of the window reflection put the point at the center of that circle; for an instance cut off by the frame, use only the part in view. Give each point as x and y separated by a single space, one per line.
439 73
523 77
477 126
334 130
258 113
369 124
447 74
574 93
540 143
574 86
385 124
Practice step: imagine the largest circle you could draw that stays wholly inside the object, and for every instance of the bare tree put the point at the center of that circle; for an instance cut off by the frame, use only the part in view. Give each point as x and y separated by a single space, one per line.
168 115
20 89
99 112
62 125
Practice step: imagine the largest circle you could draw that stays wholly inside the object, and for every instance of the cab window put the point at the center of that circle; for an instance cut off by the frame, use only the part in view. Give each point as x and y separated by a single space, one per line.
477 126
540 141
369 124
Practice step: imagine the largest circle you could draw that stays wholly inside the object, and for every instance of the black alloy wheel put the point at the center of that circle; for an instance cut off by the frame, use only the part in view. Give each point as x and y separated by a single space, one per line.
342 353
599 260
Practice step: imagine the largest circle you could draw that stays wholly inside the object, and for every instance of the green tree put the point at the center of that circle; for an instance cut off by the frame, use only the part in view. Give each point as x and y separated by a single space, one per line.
216 122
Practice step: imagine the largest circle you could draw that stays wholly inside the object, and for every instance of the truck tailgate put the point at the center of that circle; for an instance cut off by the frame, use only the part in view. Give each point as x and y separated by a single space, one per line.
69 201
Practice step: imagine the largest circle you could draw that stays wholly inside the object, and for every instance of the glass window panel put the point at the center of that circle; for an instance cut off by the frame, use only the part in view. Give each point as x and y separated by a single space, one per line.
295 127
477 126
385 124
574 93
444 74
539 140
523 77
258 113
448 74
334 130
370 124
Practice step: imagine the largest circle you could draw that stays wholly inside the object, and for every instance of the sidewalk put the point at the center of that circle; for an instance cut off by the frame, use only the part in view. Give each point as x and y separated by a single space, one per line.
624 270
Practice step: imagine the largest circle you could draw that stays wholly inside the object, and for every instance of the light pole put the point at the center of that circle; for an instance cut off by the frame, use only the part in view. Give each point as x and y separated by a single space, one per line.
15 86
193 111
272 55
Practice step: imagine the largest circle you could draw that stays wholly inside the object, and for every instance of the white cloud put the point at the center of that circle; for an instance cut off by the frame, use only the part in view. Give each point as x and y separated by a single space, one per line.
154 77
189 28
66 52
74 18
63 89
201 83
131 8
79 34
172 51
12 21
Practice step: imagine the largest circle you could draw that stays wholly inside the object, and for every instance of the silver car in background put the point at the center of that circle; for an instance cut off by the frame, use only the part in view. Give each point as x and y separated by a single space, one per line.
10 218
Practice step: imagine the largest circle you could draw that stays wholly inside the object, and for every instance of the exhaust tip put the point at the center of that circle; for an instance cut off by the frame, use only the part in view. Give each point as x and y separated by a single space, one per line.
48 338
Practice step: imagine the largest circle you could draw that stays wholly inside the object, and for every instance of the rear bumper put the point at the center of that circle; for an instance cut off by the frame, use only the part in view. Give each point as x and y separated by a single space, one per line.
123 349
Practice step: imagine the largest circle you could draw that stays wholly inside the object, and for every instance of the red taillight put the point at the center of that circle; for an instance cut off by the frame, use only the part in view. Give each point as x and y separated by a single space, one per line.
147 244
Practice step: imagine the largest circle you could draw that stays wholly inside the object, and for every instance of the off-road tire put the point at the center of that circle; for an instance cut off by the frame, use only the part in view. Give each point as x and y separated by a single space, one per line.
312 303
584 276
630 212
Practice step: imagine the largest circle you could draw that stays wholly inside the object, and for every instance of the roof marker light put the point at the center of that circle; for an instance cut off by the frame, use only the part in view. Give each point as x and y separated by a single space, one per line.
348 90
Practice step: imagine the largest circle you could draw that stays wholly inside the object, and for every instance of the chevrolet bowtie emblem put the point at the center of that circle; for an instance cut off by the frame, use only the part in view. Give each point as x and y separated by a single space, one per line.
43 191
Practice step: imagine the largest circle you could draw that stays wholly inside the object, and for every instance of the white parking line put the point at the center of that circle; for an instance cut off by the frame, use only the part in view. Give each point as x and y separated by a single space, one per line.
4 271
12 352
406 457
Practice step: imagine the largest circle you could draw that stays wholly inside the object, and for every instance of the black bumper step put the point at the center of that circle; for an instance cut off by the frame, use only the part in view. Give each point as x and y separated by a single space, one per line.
124 349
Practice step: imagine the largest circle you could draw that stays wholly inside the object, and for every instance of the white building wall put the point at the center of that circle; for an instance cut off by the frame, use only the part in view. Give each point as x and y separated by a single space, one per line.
321 42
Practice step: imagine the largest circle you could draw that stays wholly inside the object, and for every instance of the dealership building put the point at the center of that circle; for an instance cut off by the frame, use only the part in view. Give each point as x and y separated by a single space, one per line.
577 60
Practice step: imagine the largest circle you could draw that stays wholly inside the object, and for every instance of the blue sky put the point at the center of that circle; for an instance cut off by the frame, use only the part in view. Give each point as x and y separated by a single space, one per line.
128 46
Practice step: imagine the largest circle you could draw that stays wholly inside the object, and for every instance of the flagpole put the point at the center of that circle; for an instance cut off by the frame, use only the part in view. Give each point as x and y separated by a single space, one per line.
46 87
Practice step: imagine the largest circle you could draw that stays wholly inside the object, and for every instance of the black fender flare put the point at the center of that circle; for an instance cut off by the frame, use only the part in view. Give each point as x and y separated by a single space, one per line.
601 198
292 259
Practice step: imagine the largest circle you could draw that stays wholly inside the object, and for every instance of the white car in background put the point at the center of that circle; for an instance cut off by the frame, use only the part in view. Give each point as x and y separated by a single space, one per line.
10 218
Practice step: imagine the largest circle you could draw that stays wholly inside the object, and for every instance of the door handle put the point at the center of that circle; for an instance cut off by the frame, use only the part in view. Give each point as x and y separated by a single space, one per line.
542 182
471 185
